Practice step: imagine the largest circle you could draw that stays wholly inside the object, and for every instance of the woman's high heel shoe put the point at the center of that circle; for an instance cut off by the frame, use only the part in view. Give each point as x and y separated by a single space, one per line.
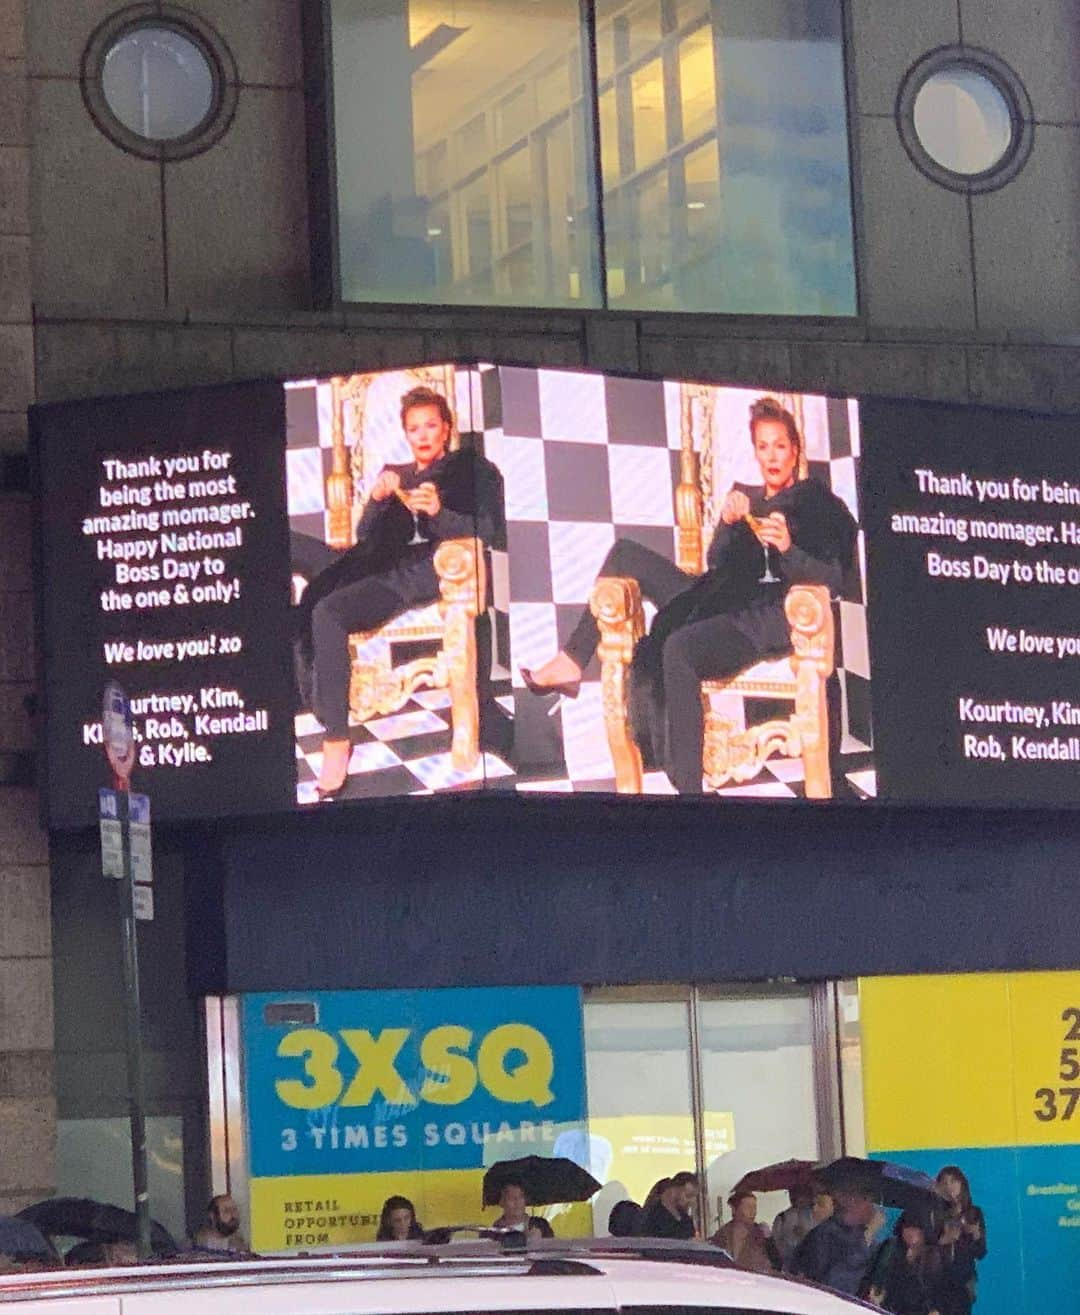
326 793
569 689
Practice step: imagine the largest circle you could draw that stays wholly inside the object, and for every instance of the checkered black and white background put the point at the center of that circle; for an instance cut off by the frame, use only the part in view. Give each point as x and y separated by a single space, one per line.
586 459
407 752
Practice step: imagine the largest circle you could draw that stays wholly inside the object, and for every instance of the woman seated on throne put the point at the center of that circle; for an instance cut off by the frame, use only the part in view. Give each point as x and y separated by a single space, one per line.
411 509
781 532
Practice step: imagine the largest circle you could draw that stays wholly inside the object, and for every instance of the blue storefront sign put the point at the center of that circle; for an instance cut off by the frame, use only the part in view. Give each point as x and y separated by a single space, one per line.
399 1081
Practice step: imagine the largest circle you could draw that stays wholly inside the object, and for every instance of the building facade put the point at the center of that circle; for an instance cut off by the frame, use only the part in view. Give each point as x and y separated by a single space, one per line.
265 252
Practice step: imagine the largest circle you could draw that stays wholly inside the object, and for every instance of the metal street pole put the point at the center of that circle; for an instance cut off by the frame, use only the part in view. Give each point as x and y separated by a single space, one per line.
133 1037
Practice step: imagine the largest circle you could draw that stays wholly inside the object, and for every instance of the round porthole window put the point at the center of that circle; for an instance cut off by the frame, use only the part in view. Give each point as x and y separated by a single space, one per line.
965 119
159 82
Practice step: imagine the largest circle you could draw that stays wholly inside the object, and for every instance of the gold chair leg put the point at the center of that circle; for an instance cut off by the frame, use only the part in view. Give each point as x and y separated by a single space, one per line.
459 645
815 723
616 604
809 613
460 566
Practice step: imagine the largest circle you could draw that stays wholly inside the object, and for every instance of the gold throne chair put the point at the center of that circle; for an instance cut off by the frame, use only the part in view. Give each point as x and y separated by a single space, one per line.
732 753
377 687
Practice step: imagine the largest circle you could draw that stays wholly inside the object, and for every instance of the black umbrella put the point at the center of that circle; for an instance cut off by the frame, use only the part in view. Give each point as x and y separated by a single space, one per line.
73 1216
883 1181
545 1180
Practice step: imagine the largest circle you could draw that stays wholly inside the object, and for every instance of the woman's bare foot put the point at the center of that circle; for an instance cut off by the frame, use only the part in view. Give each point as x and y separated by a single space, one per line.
559 670
335 765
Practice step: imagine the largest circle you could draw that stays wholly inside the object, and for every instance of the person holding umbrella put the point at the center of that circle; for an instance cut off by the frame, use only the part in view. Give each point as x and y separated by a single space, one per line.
799 1179
743 1238
515 1217
836 1252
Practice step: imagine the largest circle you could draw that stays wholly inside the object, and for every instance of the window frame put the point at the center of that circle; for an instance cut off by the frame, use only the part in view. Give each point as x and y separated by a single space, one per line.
324 233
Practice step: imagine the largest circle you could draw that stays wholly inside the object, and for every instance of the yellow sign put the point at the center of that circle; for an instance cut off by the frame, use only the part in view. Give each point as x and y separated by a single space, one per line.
1045 1032
979 1060
327 1210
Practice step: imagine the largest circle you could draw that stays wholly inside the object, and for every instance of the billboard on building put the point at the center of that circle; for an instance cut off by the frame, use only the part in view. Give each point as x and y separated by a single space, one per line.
1001 1109
414 1093
541 580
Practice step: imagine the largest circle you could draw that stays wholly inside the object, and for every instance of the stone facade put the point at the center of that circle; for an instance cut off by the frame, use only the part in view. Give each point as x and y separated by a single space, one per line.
120 274
27 1105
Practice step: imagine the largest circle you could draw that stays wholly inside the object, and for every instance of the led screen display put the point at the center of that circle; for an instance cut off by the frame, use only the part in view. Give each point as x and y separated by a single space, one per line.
470 577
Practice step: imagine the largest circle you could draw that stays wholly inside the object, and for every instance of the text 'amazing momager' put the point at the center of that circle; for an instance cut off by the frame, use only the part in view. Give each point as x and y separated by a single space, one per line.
168 530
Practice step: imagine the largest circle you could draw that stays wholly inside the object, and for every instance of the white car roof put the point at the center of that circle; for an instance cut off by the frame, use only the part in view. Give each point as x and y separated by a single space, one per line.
412 1279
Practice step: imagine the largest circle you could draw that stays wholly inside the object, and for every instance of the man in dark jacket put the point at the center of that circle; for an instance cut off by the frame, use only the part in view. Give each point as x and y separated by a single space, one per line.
836 1252
669 1215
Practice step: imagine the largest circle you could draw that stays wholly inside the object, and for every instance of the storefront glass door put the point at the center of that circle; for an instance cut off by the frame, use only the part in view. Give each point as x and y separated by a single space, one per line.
721 1080
759 1103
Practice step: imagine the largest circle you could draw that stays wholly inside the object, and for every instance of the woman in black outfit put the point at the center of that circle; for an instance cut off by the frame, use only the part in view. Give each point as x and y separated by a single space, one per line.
908 1274
713 626
410 510
963 1241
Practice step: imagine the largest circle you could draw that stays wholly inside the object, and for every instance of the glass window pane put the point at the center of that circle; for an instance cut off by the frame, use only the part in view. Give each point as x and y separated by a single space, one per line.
697 84
93 1159
637 1063
427 95
647 102
630 30
158 83
609 139
851 1078
963 121
758 1089
765 84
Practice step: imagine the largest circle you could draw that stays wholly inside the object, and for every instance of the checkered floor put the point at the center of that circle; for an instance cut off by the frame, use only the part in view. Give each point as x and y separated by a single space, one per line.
409 753
405 753
590 762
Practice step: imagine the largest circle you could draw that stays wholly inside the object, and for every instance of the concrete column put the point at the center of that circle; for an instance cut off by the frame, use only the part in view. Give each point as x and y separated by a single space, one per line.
27 1102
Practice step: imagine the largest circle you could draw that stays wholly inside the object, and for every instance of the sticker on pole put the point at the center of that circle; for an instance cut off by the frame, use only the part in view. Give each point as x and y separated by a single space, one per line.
112 834
142 863
143 901
117 734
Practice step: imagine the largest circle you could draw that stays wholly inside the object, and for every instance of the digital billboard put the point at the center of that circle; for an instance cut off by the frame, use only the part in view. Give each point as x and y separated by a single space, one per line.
471 577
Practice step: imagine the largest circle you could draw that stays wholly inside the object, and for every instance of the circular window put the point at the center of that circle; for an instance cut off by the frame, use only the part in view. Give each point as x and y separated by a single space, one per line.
965 119
159 82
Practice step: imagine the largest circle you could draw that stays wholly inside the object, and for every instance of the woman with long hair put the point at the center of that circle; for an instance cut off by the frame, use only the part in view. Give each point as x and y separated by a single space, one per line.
411 508
398 1222
908 1274
963 1241
713 626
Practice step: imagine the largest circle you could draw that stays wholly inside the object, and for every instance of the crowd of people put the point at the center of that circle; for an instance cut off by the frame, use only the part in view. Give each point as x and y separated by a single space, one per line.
926 1266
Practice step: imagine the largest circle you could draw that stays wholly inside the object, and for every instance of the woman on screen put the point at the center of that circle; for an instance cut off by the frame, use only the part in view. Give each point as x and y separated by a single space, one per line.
410 510
772 535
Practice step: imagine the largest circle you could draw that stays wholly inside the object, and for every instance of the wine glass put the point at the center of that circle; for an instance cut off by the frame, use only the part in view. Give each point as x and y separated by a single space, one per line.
417 537
755 523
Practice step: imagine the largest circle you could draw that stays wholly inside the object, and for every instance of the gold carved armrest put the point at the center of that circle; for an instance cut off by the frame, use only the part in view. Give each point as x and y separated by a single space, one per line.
808 608
462 572
616 605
